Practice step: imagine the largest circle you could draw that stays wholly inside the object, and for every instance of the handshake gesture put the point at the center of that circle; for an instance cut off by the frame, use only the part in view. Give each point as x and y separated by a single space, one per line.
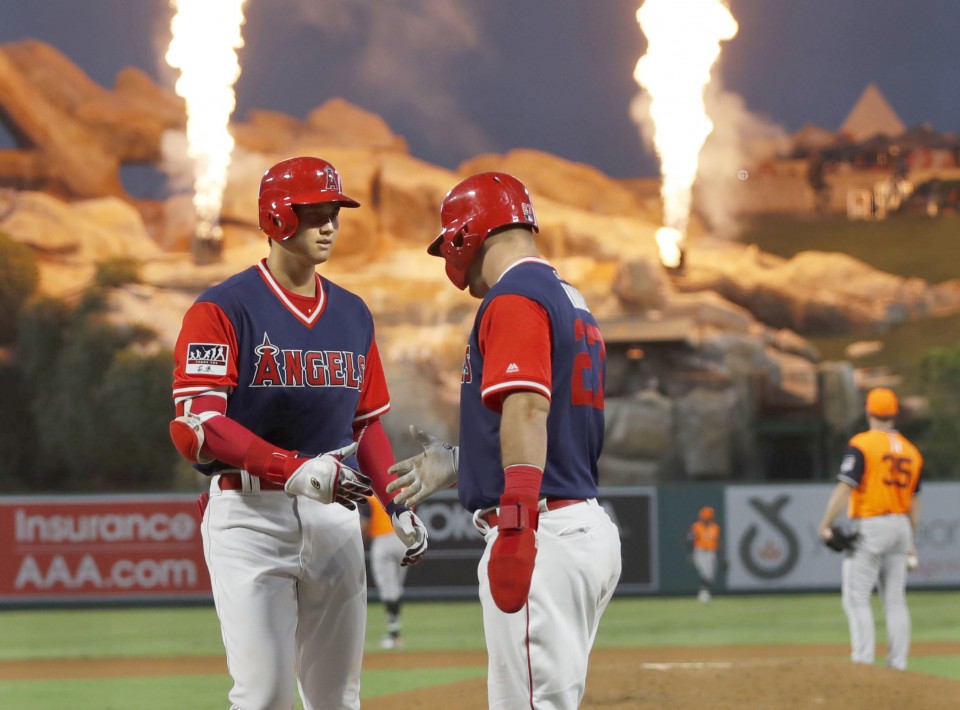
326 479
423 475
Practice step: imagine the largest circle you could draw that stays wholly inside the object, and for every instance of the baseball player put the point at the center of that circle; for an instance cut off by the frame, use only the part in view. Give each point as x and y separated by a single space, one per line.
279 391
878 482
531 431
704 541
386 566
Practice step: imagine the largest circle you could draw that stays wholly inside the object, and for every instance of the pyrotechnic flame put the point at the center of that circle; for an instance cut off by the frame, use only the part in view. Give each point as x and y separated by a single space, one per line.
206 35
683 43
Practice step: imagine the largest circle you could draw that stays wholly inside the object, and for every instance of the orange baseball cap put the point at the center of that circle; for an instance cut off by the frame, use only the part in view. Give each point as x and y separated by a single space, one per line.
882 403
706 512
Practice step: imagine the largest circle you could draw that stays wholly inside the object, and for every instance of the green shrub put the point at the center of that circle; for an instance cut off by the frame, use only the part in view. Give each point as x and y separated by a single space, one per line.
18 439
939 381
117 272
98 400
19 277
137 387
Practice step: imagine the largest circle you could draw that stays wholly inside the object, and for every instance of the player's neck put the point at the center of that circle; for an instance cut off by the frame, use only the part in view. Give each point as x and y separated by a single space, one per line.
501 253
293 274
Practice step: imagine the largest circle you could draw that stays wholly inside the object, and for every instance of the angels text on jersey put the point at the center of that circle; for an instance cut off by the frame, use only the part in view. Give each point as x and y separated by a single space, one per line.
275 367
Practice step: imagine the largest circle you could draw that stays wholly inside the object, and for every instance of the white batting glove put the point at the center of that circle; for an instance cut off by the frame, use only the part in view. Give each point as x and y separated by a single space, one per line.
327 480
424 474
412 533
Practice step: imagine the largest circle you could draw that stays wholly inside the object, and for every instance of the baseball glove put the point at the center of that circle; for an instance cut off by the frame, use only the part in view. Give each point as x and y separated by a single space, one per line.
841 540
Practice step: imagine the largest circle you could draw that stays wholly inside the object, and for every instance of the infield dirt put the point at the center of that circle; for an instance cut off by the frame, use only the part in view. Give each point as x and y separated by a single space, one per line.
707 678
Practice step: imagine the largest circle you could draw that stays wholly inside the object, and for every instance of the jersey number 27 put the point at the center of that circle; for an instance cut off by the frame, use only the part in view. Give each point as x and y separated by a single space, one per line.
587 382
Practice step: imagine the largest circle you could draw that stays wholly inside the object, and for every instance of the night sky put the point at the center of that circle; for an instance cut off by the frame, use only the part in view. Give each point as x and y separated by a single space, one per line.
461 77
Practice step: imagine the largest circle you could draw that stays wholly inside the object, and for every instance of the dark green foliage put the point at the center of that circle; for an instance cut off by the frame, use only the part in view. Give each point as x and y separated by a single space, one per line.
138 389
19 276
939 375
118 272
98 398
18 441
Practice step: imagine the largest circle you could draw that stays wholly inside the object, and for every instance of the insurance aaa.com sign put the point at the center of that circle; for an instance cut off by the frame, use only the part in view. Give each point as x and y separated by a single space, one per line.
101 548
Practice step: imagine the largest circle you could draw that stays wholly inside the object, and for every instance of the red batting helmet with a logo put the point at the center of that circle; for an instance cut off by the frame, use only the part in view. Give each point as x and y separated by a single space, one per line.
297 181
472 210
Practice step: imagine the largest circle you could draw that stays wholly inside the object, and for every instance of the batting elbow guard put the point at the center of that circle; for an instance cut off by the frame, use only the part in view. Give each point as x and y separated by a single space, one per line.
187 435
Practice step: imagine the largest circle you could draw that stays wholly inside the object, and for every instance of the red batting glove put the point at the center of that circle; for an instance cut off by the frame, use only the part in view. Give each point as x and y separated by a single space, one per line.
514 552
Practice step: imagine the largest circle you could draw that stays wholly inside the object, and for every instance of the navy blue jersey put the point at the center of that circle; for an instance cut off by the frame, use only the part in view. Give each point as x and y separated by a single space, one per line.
574 385
299 379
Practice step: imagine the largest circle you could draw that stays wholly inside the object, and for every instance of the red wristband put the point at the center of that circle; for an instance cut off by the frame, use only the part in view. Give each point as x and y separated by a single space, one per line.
267 461
522 479
520 499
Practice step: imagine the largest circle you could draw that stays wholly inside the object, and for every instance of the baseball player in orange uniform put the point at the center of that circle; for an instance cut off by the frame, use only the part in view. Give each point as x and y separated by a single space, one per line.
704 539
878 483
386 566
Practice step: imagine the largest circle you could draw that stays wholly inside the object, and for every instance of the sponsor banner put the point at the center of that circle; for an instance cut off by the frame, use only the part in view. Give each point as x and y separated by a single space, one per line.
101 548
938 536
771 540
449 568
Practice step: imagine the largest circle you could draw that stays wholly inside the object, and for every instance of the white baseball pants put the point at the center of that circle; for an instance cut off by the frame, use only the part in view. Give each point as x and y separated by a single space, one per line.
880 556
289 584
538 656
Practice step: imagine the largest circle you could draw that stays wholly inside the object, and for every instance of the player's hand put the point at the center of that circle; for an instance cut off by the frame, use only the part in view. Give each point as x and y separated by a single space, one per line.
412 533
514 552
913 563
424 474
326 479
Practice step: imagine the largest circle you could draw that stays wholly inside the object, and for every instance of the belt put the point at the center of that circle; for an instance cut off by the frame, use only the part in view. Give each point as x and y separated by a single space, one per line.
234 482
491 518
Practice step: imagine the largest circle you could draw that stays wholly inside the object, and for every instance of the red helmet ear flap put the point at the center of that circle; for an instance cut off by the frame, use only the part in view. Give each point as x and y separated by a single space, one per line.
277 217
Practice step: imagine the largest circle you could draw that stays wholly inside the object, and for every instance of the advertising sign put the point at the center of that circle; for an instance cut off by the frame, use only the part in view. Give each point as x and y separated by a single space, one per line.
101 548
449 568
772 540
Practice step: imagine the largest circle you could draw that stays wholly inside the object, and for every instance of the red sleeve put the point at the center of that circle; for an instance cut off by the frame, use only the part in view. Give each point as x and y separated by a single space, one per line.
514 340
374 397
205 355
375 456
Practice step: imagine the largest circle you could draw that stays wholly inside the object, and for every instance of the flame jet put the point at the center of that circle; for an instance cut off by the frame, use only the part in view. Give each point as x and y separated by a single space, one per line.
205 37
683 43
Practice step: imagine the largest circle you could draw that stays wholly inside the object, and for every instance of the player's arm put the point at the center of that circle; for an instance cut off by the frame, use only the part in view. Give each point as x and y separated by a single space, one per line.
839 499
375 457
914 513
202 432
515 339
851 473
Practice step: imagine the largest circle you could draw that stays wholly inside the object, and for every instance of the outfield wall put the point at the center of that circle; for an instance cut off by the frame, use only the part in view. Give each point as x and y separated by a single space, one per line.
147 548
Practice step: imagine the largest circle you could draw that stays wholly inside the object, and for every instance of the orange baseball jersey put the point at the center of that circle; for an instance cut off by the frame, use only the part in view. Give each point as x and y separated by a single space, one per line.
380 523
884 468
705 535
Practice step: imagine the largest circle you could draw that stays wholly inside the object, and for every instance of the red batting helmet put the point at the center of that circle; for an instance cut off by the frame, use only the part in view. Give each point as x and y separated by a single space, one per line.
471 211
297 181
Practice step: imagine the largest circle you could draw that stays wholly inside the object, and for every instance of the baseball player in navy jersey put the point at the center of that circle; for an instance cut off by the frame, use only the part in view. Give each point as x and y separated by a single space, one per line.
279 391
531 431
878 483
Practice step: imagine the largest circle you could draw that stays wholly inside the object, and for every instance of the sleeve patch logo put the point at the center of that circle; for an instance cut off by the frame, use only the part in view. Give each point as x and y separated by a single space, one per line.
207 359
848 463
